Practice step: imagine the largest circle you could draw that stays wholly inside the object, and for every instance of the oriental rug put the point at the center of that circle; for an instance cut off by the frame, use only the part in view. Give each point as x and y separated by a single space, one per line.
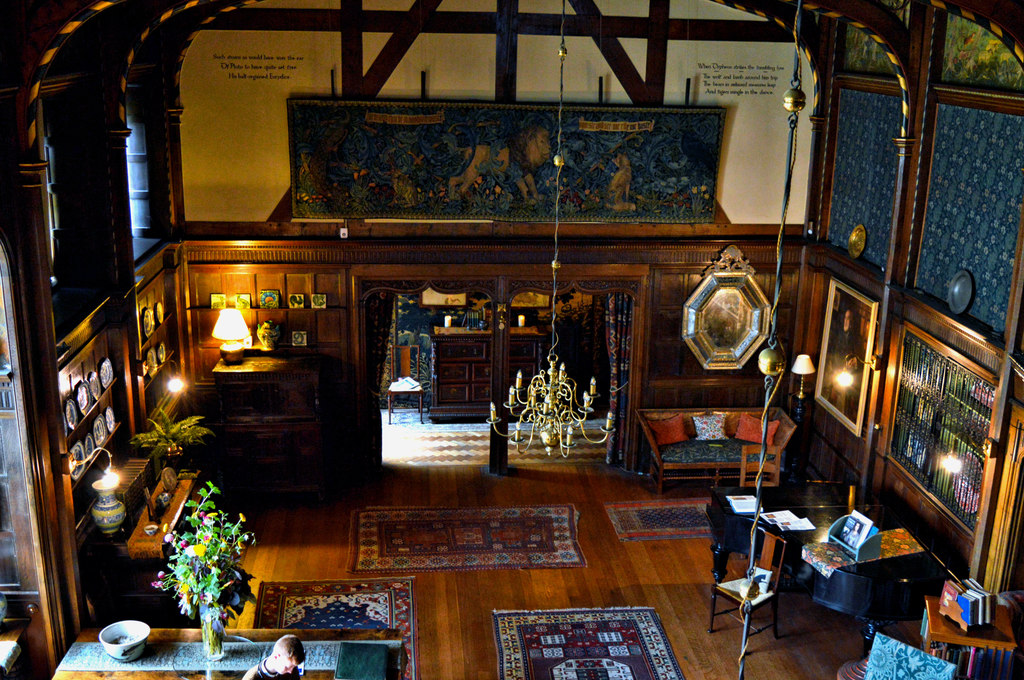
650 520
362 604
614 644
390 539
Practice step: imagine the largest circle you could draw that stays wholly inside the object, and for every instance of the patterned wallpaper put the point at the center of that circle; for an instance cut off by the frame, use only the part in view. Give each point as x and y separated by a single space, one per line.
974 204
865 171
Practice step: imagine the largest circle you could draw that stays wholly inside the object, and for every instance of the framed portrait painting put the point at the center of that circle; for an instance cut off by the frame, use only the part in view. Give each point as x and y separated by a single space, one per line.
846 344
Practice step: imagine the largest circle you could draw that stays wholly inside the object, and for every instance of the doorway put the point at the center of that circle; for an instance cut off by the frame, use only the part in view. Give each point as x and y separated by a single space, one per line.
456 393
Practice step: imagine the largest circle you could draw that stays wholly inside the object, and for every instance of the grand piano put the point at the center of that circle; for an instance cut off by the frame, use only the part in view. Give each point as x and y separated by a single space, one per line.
878 592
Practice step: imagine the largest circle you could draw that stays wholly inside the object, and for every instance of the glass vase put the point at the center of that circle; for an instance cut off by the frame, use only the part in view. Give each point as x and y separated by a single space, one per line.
212 622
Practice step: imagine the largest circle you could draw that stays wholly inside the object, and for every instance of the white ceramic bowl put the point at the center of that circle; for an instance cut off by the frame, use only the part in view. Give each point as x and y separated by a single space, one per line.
125 640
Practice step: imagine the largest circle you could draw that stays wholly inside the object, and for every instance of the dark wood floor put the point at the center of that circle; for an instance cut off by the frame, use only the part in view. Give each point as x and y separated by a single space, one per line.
454 608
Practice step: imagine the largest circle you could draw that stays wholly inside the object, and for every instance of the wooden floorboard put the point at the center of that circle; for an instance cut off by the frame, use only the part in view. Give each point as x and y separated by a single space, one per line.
456 642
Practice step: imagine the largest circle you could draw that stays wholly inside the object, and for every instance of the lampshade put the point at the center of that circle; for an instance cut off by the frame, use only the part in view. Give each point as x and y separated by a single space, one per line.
232 330
803 365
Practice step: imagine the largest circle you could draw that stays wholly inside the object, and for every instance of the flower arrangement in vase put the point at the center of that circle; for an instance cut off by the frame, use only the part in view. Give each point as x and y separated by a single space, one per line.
205 572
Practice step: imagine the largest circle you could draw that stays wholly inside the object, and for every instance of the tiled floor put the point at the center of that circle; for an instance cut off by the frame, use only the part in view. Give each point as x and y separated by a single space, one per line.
407 442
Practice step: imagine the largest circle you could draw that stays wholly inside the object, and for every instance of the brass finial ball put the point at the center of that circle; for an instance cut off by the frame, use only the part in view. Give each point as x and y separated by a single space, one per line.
562 52
770 361
794 100
556 265
558 160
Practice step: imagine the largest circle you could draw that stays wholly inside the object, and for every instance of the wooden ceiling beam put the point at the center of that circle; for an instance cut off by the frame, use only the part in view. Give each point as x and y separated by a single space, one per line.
657 51
405 33
613 53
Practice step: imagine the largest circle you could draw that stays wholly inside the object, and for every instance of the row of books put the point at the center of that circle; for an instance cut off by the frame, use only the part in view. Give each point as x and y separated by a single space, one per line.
976 605
975 663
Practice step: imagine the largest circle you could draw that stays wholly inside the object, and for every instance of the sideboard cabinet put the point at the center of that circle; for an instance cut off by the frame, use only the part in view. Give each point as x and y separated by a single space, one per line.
460 371
270 433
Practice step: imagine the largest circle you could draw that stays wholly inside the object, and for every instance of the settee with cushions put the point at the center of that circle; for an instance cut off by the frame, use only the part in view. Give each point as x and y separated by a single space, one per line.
710 444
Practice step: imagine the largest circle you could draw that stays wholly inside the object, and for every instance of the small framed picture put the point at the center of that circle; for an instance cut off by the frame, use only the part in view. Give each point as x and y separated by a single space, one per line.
298 338
243 301
318 300
296 300
270 299
218 301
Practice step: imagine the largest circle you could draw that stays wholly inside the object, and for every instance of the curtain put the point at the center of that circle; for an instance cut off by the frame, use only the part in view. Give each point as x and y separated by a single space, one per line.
379 312
618 318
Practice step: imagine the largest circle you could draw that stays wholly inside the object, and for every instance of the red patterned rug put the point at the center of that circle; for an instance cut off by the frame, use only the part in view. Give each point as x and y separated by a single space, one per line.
458 539
648 520
366 603
614 644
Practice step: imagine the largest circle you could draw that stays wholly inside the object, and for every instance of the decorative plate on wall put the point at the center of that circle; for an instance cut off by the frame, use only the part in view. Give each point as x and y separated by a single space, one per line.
158 310
151 362
99 430
108 416
858 239
82 396
148 322
90 446
71 413
961 292
95 389
161 352
106 373
78 452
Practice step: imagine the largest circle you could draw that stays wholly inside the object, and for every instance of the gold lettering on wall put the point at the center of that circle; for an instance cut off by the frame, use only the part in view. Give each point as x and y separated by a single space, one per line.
616 125
405 118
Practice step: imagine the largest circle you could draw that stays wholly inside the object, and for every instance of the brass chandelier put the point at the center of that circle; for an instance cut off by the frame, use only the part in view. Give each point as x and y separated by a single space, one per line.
549 406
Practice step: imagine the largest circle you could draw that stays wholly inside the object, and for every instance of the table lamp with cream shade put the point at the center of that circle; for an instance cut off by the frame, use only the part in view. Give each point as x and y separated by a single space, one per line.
802 366
232 330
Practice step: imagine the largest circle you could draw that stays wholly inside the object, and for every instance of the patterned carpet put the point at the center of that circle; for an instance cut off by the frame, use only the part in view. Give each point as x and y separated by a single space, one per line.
649 520
612 644
367 603
458 539
407 442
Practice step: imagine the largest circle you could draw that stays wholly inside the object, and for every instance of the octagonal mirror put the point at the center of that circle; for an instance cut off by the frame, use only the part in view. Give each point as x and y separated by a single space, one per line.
725 320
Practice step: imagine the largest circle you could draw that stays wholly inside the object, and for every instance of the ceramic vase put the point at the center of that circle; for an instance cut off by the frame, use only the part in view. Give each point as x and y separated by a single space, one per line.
268 334
212 621
107 512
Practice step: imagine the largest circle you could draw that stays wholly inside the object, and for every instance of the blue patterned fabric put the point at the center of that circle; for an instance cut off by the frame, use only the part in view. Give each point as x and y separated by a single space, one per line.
894 660
865 171
974 203
703 451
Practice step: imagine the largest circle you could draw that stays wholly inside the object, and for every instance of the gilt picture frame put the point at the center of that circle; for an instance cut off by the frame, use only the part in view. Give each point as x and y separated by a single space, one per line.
847 342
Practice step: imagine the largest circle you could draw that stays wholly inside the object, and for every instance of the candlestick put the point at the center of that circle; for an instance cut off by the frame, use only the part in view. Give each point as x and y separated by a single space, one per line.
609 420
519 379
593 386
494 412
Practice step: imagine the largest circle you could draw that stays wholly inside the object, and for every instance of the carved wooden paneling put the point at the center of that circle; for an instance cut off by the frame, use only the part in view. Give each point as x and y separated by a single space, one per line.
953 335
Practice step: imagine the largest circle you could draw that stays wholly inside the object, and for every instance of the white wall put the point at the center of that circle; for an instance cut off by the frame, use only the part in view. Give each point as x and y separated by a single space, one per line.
234 85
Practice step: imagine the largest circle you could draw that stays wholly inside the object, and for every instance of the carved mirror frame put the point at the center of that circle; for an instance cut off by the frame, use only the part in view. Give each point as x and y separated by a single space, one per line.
726 319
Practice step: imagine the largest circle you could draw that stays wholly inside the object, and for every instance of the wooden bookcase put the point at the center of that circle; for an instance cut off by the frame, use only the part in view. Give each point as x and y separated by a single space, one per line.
991 646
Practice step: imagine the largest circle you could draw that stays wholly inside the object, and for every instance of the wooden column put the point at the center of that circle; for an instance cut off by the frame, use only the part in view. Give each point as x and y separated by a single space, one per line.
122 262
497 462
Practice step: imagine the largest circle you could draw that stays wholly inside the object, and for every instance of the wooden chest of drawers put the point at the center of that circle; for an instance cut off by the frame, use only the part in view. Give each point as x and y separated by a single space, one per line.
460 371
270 433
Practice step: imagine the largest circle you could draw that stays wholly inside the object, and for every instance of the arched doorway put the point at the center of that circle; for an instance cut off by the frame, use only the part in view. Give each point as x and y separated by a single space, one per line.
499 344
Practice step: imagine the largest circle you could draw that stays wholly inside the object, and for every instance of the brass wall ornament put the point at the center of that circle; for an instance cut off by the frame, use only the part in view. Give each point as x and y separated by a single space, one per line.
858 239
726 317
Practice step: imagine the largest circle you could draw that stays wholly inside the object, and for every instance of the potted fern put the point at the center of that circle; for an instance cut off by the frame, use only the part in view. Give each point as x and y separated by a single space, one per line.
167 437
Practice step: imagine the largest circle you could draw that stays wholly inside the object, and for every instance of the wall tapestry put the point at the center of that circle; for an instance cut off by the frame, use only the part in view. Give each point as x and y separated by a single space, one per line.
492 162
974 203
865 171
975 56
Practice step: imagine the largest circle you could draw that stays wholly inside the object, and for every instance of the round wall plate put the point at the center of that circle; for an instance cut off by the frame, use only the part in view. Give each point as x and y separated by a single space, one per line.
106 373
961 292
858 239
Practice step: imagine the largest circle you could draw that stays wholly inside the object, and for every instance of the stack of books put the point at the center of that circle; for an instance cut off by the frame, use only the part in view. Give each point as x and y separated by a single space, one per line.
742 504
967 603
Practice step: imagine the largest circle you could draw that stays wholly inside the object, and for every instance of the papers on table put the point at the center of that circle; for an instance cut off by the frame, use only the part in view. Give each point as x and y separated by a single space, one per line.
404 384
784 519
742 504
787 521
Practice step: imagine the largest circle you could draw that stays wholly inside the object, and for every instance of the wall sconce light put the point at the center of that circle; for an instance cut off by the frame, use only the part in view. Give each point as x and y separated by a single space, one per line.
802 366
952 464
233 331
845 377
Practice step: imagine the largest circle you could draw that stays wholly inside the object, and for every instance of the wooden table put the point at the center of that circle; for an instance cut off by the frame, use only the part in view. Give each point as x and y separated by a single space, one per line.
256 635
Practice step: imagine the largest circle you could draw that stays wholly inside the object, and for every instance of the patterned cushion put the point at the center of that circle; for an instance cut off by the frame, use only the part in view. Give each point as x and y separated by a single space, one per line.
749 429
710 426
669 430
893 660
703 451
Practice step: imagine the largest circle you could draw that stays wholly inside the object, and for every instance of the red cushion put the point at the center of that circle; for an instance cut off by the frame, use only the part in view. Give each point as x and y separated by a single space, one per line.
749 429
669 430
